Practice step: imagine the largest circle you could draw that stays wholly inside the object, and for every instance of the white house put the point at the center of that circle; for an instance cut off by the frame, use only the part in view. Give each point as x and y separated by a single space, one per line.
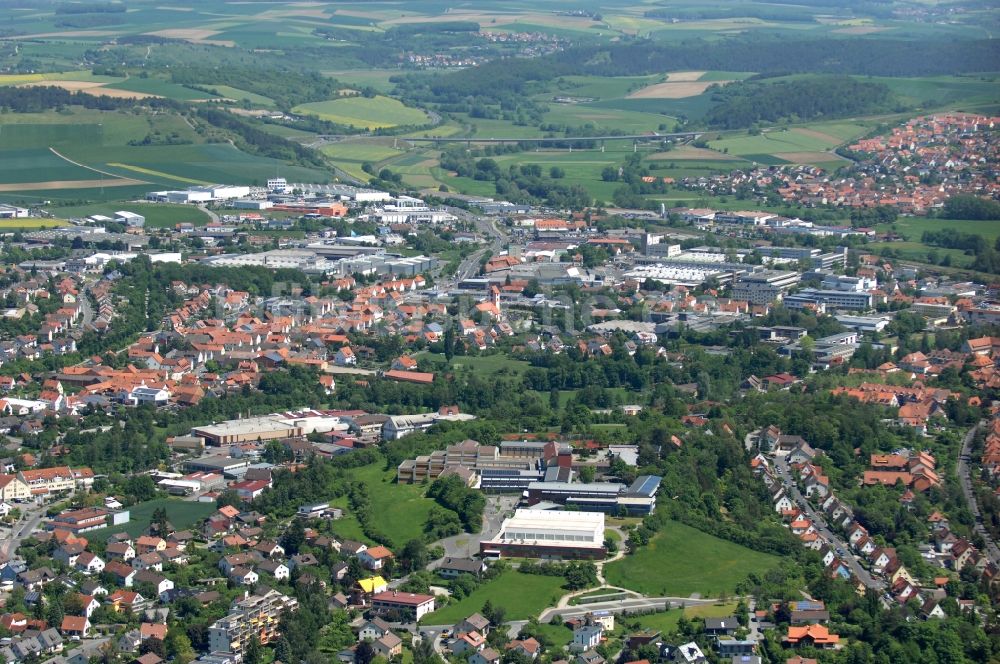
586 637
88 563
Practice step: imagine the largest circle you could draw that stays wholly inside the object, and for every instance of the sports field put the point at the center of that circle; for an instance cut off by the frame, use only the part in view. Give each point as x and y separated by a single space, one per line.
366 112
681 560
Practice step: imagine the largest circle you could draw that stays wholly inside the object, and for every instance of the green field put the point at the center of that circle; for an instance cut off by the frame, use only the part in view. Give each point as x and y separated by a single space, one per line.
365 112
158 215
912 228
484 365
666 621
160 88
681 560
183 514
32 224
399 510
240 95
112 142
522 595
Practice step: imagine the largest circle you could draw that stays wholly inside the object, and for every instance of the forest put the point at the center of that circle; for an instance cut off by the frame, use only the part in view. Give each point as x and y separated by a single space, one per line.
504 82
746 103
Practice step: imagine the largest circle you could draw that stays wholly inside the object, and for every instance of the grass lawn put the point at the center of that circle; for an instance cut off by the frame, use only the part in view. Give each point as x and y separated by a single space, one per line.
666 621
681 560
555 636
183 514
522 595
400 510
371 113
158 215
490 364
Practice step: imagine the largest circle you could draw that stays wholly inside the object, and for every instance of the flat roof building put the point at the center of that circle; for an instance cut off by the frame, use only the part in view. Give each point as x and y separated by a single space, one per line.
533 533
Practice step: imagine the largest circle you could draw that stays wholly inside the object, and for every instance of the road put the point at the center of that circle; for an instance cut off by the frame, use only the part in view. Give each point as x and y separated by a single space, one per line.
22 529
553 139
822 528
618 606
488 228
965 480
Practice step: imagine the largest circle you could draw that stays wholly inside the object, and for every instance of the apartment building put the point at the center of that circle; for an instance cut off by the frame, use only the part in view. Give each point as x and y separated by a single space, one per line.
48 480
254 615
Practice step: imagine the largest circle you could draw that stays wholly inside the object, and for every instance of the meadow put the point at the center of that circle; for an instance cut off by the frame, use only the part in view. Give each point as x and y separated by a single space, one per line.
158 215
680 560
183 514
521 595
364 112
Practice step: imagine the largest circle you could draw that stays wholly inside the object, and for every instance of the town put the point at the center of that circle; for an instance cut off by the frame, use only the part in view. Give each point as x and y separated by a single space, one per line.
209 524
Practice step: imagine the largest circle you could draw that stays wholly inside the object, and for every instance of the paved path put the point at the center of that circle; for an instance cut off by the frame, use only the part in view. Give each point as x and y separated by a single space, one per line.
821 526
965 480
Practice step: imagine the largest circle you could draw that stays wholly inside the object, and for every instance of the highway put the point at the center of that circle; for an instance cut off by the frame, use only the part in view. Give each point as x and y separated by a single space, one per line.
823 529
965 480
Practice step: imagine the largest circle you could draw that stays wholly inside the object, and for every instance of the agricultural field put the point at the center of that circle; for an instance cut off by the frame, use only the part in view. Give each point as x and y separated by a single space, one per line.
912 228
813 144
30 224
82 154
352 154
364 112
710 566
522 595
157 88
228 92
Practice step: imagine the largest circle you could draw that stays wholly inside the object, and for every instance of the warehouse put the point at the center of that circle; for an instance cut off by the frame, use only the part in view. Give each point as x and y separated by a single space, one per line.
532 533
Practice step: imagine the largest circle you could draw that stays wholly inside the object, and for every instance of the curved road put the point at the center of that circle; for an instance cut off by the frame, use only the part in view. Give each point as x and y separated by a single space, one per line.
965 480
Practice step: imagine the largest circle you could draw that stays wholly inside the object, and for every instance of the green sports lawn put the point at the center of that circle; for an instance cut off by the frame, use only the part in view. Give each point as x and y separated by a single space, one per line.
522 595
681 560
367 112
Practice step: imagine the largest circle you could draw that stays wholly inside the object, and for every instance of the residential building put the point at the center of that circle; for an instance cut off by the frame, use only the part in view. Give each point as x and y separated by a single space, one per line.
254 615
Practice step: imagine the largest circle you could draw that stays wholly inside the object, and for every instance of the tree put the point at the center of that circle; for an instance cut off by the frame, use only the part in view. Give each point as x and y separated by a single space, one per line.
495 614
414 555
364 653
159 521
155 646
253 654
423 652
228 497
294 537
581 575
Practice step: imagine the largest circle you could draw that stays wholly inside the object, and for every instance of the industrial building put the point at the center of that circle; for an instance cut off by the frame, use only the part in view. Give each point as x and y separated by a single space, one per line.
130 219
764 286
639 498
829 299
533 533
511 466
